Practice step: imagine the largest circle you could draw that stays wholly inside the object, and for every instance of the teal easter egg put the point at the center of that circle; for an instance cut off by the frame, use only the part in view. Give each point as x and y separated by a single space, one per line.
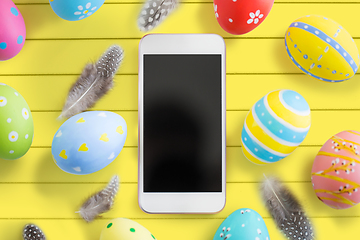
244 224
275 126
75 10
16 124
89 141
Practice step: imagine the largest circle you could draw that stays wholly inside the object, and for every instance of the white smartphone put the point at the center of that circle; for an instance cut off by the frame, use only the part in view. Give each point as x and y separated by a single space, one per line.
182 111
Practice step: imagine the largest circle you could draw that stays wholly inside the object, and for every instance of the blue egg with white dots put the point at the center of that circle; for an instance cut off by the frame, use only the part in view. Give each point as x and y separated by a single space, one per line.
244 224
313 40
75 10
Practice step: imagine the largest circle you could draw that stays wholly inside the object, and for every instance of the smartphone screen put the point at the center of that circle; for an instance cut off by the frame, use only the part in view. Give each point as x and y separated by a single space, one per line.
182 113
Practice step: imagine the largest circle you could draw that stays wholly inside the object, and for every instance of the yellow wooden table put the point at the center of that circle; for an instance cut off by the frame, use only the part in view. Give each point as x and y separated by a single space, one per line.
33 189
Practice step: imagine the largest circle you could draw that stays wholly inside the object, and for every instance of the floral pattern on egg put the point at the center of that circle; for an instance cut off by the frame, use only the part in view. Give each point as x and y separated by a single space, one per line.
335 172
89 141
83 12
75 10
16 124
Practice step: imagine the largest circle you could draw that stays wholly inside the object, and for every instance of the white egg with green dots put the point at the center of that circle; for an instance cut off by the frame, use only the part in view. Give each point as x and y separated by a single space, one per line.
16 124
125 229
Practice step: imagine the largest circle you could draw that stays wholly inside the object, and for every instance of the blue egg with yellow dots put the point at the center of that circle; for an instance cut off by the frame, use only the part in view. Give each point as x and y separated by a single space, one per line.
75 10
89 141
275 126
244 224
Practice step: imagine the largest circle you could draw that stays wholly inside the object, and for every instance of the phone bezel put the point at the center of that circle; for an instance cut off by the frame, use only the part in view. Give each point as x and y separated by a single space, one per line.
181 202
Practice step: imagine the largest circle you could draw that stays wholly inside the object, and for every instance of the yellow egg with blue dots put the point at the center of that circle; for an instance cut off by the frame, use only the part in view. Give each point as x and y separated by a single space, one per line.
125 229
322 48
275 126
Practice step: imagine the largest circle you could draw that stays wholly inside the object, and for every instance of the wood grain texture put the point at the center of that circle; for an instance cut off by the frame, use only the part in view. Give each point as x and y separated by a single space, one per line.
35 190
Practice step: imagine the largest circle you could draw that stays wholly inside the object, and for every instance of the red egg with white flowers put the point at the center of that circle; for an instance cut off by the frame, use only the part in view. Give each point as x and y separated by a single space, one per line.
241 16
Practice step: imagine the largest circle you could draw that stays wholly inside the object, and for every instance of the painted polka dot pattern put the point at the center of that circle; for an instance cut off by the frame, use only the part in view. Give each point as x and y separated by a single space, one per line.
123 228
12 28
322 49
234 227
275 126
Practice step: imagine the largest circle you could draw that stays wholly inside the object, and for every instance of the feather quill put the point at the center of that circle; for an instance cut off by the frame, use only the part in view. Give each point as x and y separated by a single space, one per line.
95 81
285 209
154 12
100 202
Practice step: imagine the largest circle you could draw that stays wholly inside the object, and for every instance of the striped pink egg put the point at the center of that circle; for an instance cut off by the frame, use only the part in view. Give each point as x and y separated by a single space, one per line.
336 171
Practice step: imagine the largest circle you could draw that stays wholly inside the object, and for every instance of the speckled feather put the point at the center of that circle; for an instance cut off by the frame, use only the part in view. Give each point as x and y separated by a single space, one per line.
95 81
100 202
287 212
33 232
154 12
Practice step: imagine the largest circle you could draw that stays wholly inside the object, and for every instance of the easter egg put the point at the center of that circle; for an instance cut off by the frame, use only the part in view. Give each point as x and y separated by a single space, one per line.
125 229
89 141
13 32
16 124
244 224
275 126
75 10
322 48
335 174
241 16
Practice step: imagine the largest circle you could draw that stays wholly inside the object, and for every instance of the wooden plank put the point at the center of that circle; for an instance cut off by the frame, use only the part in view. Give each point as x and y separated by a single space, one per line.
46 125
63 200
53 91
120 21
38 166
324 125
124 96
177 229
70 56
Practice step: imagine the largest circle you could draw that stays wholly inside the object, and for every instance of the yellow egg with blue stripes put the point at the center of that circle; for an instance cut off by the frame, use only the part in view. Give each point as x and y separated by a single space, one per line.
275 126
322 48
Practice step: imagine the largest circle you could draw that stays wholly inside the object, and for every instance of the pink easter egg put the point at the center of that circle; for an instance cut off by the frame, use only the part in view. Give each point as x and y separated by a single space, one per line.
12 30
336 171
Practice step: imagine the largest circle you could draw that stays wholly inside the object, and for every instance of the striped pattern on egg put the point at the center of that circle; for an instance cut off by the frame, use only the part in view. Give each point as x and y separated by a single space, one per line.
335 173
275 126
322 48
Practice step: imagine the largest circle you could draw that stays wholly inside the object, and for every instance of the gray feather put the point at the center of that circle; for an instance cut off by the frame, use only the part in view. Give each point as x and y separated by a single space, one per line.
100 202
95 81
287 212
33 232
154 12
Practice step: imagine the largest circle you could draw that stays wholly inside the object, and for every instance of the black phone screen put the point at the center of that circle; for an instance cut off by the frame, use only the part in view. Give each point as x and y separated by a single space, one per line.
182 131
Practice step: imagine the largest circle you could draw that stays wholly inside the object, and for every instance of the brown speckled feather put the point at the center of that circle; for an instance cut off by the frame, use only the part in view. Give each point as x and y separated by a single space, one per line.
95 81
100 202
